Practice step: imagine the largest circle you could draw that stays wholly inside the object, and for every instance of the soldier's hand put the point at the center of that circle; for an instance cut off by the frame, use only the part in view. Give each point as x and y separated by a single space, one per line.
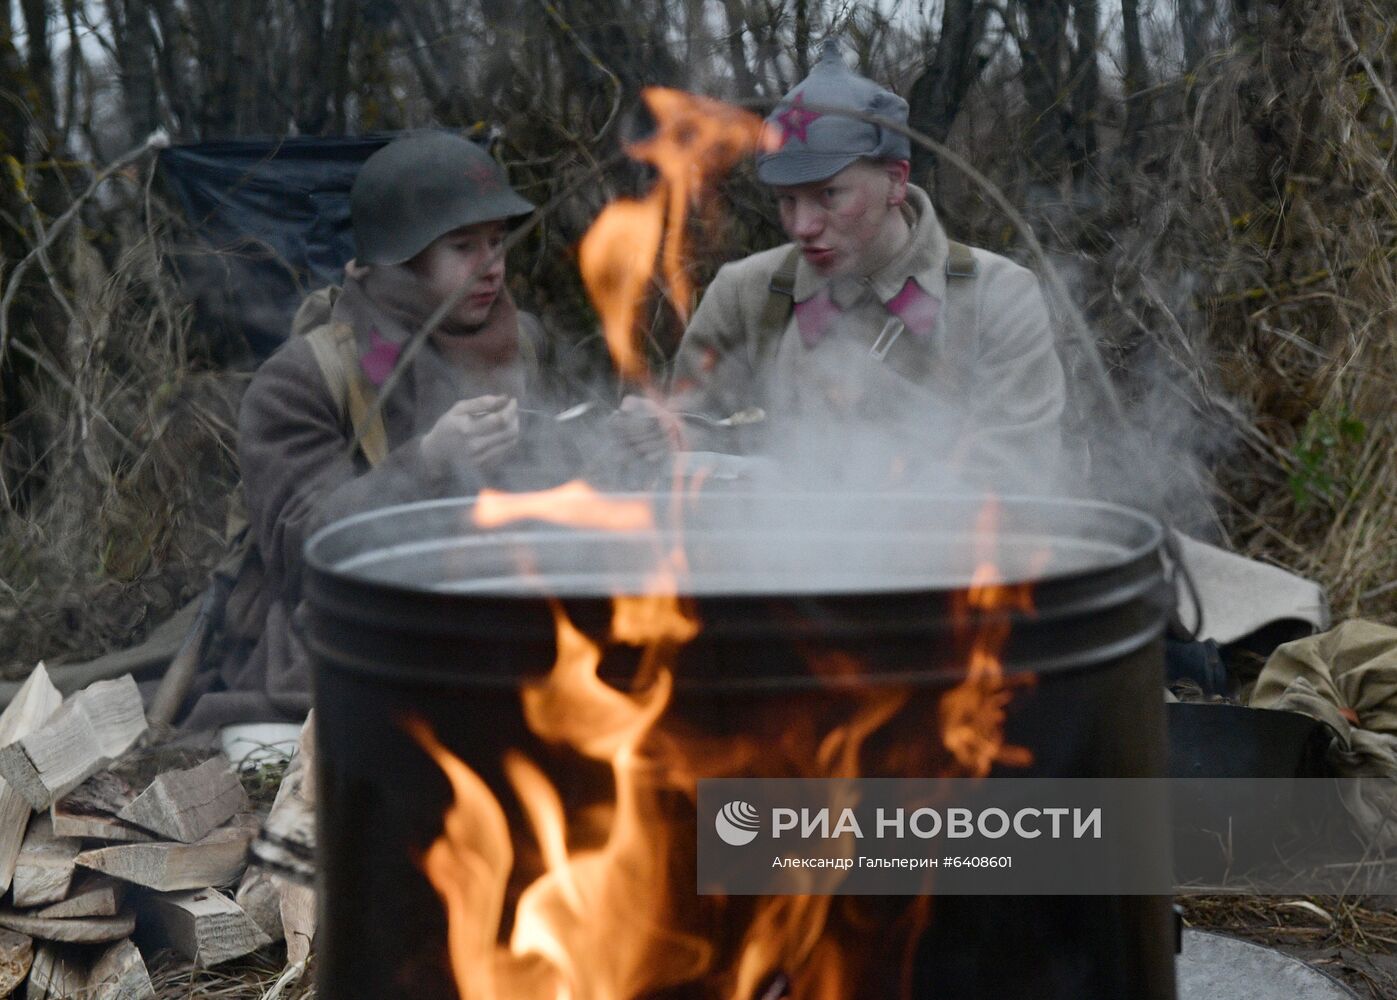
648 429
482 430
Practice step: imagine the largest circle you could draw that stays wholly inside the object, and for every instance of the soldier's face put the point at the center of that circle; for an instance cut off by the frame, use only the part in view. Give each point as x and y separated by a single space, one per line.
453 259
840 223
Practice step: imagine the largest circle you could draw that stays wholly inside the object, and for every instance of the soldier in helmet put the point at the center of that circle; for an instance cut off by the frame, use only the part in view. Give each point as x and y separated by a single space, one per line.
430 212
870 315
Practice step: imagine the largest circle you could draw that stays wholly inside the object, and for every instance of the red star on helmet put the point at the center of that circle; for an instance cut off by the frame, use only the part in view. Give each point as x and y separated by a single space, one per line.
483 176
795 120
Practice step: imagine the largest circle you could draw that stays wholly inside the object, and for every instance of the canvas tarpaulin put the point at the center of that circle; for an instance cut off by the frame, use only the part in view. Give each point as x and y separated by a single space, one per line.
270 222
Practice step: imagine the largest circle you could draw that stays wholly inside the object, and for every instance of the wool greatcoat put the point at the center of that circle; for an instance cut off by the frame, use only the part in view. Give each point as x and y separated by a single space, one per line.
299 475
970 393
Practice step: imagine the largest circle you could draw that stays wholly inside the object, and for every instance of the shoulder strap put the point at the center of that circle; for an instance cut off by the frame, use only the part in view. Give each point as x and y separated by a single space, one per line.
338 358
960 262
781 294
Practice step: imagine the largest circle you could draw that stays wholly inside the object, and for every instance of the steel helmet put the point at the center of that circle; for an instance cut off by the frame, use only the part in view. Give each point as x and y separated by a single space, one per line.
421 186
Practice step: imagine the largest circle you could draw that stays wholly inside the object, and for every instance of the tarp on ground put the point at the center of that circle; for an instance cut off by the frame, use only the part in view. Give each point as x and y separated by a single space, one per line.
270 222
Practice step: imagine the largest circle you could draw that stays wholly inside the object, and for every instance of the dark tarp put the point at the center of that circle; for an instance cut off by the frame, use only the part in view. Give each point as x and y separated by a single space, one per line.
270 221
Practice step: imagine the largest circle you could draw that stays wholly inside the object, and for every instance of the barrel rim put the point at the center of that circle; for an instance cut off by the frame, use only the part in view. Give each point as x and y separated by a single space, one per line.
1152 530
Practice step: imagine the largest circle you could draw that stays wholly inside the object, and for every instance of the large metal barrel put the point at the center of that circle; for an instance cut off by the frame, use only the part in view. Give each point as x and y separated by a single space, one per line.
414 613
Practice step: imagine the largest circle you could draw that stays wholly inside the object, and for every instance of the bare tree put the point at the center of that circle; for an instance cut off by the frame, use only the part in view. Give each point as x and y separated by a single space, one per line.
939 90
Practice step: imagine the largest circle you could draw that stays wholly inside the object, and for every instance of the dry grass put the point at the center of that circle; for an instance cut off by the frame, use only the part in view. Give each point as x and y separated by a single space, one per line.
251 978
119 471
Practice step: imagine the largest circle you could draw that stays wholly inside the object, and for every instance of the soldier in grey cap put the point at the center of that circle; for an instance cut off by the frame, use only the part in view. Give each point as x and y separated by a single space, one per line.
429 211
870 315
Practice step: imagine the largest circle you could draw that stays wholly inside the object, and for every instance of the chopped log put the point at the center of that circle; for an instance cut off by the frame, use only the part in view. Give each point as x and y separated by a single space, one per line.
84 930
90 730
94 826
291 826
286 842
218 859
260 899
32 707
16 956
120 974
186 805
58 973
93 896
90 811
206 926
44 869
298 918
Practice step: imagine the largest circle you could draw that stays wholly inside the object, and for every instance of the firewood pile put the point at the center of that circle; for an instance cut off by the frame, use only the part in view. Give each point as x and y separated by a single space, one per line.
104 863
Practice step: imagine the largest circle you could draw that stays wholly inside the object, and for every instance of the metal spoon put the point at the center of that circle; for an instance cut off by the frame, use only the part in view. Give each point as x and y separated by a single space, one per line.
742 418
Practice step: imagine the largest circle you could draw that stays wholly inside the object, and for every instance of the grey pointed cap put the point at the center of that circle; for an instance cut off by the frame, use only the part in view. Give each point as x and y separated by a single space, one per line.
423 185
811 141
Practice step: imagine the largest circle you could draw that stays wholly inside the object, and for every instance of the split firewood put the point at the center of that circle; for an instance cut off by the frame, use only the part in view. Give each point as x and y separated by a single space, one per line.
16 956
32 707
83 930
58 973
92 896
286 843
89 731
90 811
206 927
287 846
120 974
44 869
186 805
260 899
217 859
298 918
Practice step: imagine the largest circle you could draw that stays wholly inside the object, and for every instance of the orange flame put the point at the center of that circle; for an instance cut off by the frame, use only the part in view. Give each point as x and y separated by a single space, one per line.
973 712
574 503
695 139
600 919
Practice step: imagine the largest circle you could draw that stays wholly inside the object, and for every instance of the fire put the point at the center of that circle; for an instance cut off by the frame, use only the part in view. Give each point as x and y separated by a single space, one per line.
695 139
574 504
973 712
605 916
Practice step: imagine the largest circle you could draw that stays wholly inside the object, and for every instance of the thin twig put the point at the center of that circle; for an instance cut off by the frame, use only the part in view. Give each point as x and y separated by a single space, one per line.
155 141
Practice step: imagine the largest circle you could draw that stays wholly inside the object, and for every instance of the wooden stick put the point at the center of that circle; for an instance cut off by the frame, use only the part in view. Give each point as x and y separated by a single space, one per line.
16 956
85 930
94 896
36 702
44 870
90 730
206 926
57 973
187 805
218 859
120 974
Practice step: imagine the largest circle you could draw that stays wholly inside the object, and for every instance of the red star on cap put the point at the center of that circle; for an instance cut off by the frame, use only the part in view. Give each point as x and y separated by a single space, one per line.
795 120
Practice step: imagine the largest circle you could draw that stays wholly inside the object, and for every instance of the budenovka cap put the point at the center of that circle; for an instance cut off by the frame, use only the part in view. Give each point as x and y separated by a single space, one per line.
811 140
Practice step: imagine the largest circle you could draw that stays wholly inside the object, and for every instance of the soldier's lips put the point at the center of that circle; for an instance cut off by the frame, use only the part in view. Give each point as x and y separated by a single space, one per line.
820 257
483 298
